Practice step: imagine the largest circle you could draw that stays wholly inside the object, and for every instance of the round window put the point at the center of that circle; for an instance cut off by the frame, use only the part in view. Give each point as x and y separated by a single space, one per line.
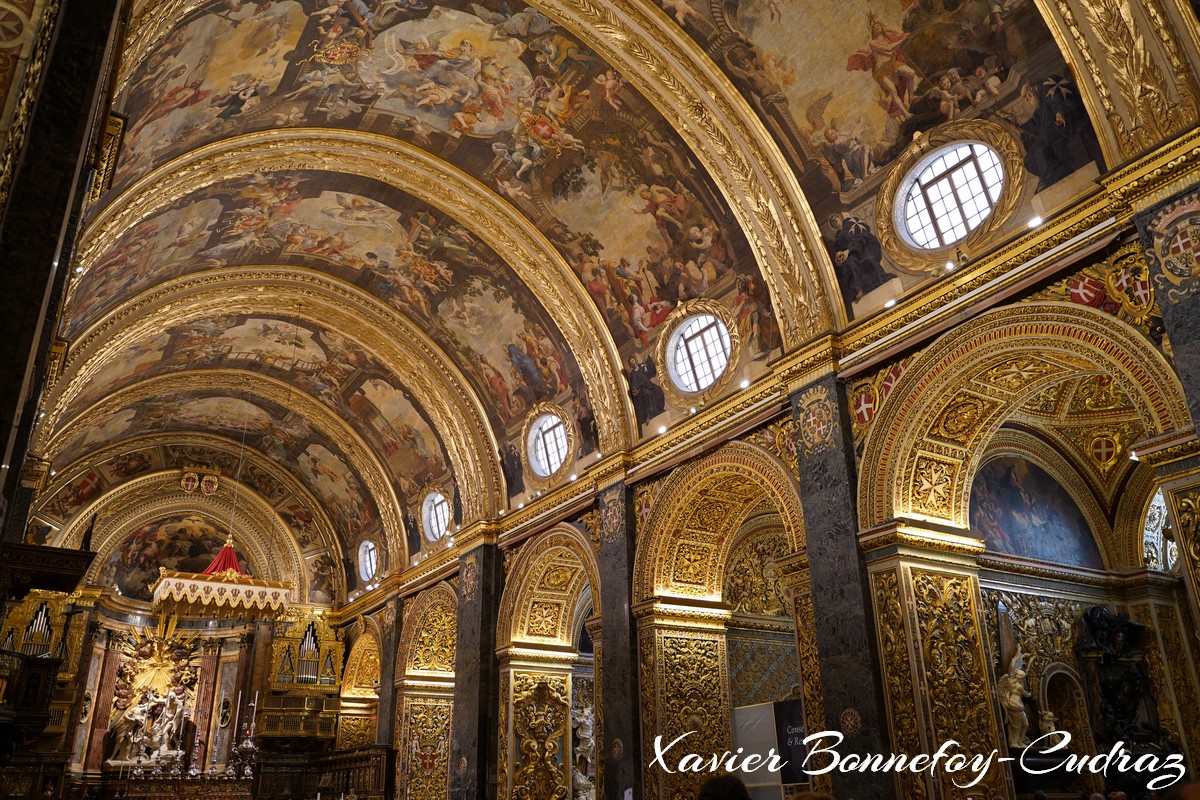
435 514
368 560
948 194
548 444
698 352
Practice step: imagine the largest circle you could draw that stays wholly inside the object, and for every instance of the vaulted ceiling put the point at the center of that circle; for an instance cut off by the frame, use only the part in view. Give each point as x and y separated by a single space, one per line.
353 244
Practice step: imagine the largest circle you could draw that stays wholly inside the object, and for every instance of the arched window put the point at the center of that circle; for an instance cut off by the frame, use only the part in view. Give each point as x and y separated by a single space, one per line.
368 559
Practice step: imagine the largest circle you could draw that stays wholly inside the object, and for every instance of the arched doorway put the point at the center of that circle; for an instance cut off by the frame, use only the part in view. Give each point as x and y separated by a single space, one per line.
425 683
548 689
697 613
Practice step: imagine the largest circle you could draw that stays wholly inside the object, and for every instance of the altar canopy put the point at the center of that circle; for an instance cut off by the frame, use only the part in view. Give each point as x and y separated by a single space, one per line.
222 590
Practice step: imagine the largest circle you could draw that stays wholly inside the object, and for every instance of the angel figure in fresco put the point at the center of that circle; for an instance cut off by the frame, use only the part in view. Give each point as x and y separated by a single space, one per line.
682 8
886 63
1012 690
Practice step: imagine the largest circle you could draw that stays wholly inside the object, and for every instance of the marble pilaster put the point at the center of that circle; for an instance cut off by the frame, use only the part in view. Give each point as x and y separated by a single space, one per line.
473 747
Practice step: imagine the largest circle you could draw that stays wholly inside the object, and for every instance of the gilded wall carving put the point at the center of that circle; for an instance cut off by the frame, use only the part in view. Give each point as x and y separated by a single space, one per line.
1181 660
685 687
779 439
952 656
355 731
1155 89
362 676
898 680
1043 628
424 749
752 583
1119 285
1174 247
540 714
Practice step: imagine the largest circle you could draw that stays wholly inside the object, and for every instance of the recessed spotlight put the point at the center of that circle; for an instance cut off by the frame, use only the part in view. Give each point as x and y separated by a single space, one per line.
889 304
662 428
1035 221
1133 456
78 270
520 505
538 493
53 473
692 410
502 512
573 477
745 383
599 455
950 265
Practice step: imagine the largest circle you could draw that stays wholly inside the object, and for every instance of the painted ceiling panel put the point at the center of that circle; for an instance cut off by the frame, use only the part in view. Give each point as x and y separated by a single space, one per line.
504 95
375 237
329 367
845 86
269 428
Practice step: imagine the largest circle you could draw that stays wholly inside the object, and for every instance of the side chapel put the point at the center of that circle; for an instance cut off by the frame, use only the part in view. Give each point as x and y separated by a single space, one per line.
443 399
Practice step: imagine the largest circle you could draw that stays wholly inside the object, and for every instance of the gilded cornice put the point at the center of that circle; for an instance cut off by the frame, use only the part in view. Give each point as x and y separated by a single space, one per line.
417 361
1157 176
225 381
508 232
255 525
675 74
987 280
321 522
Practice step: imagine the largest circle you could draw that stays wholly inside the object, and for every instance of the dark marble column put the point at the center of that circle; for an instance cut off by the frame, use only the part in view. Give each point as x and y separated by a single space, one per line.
619 766
473 724
390 672
41 220
105 692
1171 256
845 628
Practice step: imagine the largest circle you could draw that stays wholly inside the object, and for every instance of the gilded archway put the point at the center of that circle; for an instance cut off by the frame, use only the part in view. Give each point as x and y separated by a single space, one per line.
683 613
360 692
425 680
927 442
553 587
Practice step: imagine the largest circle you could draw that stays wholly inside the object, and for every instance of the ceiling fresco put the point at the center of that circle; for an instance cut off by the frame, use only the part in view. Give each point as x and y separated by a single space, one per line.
505 95
278 432
845 86
584 184
329 367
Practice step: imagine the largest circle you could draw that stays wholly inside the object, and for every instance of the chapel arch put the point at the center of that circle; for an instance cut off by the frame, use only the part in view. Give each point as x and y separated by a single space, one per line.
707 515
928 440
548 599
360 691
425 689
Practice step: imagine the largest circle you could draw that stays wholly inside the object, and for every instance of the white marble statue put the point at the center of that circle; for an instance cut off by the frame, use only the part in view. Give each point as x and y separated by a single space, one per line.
1012 690
152 729
583 722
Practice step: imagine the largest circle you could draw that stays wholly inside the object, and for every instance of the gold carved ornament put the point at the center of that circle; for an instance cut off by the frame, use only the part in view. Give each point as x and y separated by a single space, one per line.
898 677
917 471
1138 76
685 310
953 660
541 711
424 752
889 203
